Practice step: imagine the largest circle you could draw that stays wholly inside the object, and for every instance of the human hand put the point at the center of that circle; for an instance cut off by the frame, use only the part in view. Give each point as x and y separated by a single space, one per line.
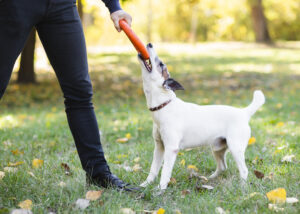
117 16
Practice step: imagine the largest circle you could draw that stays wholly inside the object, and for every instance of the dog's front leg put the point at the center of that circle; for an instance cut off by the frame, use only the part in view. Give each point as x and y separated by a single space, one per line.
169 160
156 163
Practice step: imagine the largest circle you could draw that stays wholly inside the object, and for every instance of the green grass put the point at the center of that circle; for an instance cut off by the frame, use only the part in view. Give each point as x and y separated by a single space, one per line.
32 120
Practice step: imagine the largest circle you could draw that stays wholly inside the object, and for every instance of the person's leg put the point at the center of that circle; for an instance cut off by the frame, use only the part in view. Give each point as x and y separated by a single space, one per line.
63 39
14 31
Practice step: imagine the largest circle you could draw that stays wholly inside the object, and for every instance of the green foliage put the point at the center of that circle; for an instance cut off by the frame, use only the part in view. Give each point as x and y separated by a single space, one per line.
172 20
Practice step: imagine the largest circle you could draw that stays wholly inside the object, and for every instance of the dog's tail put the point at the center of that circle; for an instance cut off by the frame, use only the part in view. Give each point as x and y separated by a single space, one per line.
258 101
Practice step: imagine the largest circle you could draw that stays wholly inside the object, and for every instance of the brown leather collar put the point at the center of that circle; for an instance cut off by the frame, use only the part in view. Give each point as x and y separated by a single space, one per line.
160 106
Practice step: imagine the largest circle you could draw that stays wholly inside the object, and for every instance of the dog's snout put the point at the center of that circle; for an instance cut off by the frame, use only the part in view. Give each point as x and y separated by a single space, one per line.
150 45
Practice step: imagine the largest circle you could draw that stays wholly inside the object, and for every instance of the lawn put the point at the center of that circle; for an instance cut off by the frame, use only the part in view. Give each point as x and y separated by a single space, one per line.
33 126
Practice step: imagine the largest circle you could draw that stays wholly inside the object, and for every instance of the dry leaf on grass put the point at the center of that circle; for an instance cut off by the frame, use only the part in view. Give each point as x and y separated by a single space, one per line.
274 207
20 211
122 140
17 152
291 200
126 211
172 181
137 159
128 136
37 163
93 195
259 174
2 174
31 174
220 210
182 162
160 211
136 167
82 203
62 184
252 140
192 167
27 204
10 169
185 192
66 168
277 195
288 158
15 164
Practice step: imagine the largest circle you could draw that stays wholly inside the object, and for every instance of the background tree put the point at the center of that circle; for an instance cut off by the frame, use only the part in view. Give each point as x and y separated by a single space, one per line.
259 20
26 72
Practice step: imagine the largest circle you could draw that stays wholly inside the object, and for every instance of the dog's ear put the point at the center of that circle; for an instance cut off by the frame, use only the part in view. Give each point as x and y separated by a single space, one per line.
172 84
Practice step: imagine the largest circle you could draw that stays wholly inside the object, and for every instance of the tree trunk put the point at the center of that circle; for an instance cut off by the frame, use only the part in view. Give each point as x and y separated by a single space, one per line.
26 72
149 22
194 24
80 9
259 21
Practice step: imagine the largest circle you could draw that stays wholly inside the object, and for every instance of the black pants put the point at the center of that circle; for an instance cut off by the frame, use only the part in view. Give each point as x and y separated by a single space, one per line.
60 30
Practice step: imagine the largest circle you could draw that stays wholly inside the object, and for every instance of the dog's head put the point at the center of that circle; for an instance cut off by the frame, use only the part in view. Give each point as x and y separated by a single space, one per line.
155 72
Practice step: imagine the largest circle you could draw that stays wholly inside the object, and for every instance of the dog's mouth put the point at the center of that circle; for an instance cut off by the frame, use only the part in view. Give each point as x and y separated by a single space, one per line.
147 63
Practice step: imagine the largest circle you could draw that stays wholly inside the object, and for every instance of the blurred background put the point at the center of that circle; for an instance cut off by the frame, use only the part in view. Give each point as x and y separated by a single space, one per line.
173 22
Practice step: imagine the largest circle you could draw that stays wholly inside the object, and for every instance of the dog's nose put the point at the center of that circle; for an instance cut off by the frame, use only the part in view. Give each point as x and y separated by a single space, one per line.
150 45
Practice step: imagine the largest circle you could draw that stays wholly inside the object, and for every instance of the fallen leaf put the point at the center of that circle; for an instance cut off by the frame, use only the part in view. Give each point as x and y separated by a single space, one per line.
31 174
192 167
27 204
287 158
278 105
291 200
15 164
137 159
182 162
136 167
10 169
220 210
82 203
62 184
277 195
274 207
207 187
93 195
2 174
172 181
66 168
128 136
177 211
160 211
270 176
16 152
20 211
259 174
126 211
37 163
252 140
122 140
251 195
280 124
185 192
180 153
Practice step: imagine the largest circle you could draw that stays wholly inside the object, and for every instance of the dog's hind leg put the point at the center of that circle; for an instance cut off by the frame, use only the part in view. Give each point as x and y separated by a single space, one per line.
238 152
157 158
220 157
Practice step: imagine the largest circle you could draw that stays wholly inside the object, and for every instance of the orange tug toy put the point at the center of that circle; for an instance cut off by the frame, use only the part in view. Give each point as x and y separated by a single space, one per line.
137 43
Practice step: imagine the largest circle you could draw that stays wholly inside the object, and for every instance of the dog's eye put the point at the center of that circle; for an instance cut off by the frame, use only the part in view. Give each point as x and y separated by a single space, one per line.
161 64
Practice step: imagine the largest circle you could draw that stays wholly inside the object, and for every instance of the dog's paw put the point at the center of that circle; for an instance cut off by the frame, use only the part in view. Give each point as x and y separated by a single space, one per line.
158 191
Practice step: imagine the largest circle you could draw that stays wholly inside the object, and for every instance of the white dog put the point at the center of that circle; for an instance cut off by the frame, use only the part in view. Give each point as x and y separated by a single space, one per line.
179 125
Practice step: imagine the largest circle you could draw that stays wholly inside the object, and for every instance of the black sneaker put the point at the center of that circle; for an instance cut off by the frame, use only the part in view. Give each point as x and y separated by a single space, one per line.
109 180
